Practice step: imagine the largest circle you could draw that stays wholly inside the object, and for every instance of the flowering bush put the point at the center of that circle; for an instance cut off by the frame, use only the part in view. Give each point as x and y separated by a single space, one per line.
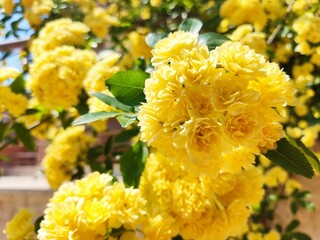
204 95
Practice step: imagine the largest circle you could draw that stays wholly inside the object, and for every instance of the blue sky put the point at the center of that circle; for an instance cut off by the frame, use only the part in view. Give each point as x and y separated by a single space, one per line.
13 60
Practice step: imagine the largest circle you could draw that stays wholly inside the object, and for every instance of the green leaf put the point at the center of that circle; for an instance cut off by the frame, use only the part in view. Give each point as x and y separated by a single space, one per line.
312 158
300 236
24 135
82 106
31 111
212 40
126 135
37 224
18 85
292 225
132 164
153 38
127 86
294 207
289 157
113 102
127 119
95 116
192 25
3 129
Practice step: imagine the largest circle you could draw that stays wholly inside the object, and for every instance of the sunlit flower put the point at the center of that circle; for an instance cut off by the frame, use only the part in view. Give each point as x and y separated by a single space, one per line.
20 226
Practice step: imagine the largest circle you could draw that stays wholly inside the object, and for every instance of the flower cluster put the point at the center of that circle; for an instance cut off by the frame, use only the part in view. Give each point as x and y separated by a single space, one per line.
20 226
197 207
14 103
212 110
90 208
65 68
63 156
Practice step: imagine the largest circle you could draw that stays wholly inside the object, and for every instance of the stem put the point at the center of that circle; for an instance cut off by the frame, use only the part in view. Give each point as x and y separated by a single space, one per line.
280 25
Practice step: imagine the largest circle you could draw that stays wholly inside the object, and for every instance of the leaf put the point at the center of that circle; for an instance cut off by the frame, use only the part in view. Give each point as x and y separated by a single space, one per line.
294 207
132 164
127 86
31 111
290 158
212 40
3 129
126 135
24 135
312 158
113 102
82 106
18 85
153 38
127 119
300 236
192 25
292 225
95 116
37 224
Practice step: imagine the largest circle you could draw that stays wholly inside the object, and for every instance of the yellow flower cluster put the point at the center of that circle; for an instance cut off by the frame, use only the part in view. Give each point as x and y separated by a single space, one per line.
15 103
247 36
224 105
35 10
7 5
238 12
100 72
90 208
308 33
56 77
196 207
66 152
57 33
20 226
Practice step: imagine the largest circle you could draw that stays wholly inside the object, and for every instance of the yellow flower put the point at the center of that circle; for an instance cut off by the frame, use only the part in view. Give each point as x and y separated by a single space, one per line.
8 6
201 138
64 154
275 9
239 12
20 226
89 208
216 101
240 59
57 33
100 21
172 47
232 93
292 185
102 70
138 46
196 207
275 176
35 10
56 76
7 72
15 104
246 35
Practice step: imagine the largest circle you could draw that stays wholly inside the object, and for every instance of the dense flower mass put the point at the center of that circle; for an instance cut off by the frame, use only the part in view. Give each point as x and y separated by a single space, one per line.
64 68
20 226
57 33
67 151
90 208
197 207
223 104
14 103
